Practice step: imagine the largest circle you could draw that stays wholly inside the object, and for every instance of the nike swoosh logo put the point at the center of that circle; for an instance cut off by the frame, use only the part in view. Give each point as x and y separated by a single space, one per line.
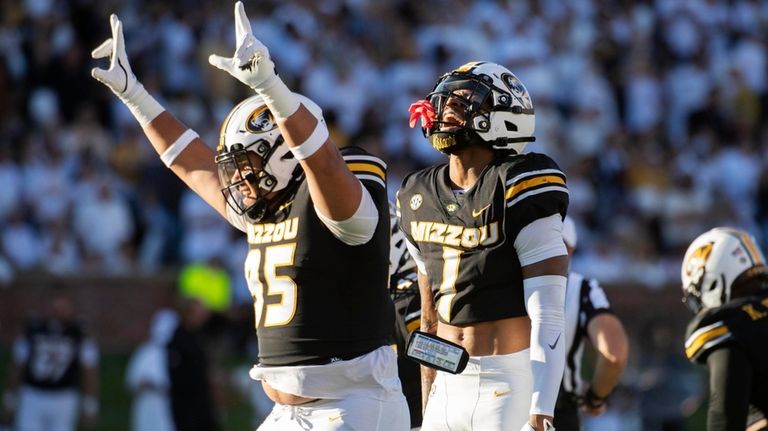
553 345
125 72
334 418
476 213
501 393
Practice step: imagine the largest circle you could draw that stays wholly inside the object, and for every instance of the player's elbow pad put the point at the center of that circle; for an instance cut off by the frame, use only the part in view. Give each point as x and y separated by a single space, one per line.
545 302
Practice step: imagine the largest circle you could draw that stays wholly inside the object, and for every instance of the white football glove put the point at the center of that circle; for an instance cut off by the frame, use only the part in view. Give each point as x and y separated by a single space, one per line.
252 66
120 78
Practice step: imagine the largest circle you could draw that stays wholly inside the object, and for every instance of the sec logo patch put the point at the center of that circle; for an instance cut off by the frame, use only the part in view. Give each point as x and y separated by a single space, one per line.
416 201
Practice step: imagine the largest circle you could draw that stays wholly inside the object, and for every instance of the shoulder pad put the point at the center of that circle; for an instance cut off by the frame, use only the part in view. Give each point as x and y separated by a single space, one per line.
706 332
365 166
532 174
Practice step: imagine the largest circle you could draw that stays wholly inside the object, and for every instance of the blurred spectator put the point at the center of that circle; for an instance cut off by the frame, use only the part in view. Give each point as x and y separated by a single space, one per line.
104 225
54 373
147 376
206 235
60 247
21 242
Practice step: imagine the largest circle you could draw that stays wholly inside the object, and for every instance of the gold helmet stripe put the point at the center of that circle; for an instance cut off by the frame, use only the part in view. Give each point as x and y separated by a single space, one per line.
222 132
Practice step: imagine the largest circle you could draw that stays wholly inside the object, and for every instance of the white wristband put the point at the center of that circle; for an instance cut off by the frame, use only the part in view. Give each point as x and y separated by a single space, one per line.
142 105
279 98
171 153
313 142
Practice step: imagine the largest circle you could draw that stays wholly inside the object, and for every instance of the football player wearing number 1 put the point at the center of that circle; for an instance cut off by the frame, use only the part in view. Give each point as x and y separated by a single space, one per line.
317 224
725 283
486 232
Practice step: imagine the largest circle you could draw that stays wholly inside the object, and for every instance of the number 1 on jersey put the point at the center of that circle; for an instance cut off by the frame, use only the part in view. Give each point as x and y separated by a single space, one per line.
451 259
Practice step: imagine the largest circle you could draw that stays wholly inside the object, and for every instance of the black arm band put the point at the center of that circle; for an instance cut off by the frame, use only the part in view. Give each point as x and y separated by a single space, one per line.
592 400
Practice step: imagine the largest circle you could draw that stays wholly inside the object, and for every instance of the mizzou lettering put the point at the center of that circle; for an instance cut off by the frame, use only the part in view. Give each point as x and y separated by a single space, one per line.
456 236
273 232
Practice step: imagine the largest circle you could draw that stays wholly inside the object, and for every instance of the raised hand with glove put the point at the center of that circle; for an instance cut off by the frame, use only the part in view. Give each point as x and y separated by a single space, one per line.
120 78
337 194
168 136
252 66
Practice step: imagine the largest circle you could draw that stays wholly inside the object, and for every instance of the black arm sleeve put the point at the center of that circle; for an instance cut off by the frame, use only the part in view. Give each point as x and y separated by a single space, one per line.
730 374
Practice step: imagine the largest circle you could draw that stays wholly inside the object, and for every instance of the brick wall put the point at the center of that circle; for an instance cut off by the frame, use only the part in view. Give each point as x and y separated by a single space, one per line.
117 309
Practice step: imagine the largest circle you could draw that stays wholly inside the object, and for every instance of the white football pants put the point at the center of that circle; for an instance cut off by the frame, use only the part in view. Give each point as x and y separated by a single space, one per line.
492 393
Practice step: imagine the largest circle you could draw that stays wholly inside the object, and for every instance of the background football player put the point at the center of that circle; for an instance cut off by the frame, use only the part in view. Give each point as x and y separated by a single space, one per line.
54 375
318 236
588 317
486 232
725 283
404 289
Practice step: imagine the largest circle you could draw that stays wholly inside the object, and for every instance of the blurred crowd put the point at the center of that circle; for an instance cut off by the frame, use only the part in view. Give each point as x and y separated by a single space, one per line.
656 110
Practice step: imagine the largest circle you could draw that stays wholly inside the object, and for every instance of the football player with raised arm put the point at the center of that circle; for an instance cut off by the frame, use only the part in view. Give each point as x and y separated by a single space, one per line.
588 317
317 225
725 283
486 232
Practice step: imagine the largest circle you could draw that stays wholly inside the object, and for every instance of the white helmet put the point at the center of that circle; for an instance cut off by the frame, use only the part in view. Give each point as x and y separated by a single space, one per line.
715 263
251 127
498 110
400 260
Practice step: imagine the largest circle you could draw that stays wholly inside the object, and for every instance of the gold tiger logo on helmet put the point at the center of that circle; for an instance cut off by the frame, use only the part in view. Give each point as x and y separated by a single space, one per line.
697 261
260 120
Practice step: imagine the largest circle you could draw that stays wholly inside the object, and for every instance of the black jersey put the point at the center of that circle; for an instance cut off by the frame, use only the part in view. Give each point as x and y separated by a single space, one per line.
741 328
405 294
53 353
316 298
467 240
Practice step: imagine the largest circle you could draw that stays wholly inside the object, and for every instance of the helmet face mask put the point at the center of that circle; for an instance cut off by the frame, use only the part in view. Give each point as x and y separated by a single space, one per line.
716 263
245 185
494 107
257 170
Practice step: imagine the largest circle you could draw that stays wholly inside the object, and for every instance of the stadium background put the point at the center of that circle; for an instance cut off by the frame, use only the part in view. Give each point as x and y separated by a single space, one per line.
654 109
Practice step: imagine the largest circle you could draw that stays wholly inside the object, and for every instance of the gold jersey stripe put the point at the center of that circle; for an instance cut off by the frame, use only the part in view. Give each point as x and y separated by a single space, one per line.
703 338
370 168
533 182
410 326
